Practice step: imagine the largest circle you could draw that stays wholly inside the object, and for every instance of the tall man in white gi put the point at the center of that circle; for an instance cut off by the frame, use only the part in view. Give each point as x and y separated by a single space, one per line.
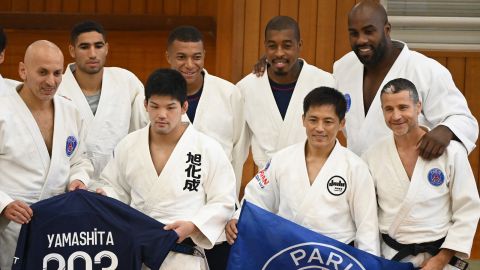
109 98
273 102
6 85
425 206
376 59
215 108
36 162
318 183
174 173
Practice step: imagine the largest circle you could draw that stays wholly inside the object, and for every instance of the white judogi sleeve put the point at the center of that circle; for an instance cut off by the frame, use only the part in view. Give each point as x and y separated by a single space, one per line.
465 202
443 103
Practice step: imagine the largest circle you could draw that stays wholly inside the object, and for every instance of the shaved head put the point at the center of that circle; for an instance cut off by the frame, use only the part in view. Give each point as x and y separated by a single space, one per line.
43 49
41 71
370 8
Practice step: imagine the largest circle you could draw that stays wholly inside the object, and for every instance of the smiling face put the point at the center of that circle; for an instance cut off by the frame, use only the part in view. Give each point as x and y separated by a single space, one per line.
42 71
165 113
90 52
369 34
322 125
400 112
282 50
189 59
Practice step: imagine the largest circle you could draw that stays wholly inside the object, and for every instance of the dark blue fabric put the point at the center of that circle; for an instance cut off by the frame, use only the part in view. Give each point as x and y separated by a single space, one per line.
267 241
193 104
282 94
122 234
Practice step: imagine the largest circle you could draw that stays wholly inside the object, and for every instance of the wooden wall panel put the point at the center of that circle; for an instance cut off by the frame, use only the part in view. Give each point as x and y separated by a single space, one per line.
119 7
289 8
342 45
325 42
251 43
307 20
53 5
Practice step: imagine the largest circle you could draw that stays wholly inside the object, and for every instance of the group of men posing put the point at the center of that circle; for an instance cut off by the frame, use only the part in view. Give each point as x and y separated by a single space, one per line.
175 148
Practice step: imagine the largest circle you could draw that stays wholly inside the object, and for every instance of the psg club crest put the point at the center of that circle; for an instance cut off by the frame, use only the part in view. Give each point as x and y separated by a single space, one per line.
348 99
71 145
436 177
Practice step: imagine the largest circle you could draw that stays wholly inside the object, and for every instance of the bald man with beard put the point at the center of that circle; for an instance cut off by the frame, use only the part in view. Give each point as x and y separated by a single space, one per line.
36 162
375 60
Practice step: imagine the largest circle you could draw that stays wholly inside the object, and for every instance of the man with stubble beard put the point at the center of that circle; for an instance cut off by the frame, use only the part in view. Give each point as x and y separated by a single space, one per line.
376 59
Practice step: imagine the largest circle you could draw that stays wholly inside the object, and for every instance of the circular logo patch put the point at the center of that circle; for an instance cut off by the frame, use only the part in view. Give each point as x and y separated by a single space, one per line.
348 99
336 185
312 255
71 145
436 177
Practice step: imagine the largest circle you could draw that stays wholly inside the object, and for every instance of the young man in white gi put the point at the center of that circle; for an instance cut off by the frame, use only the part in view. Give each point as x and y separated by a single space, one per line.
376 59
109 98
426 207
215 108
6 85
273 102
318 183
173 173
41 143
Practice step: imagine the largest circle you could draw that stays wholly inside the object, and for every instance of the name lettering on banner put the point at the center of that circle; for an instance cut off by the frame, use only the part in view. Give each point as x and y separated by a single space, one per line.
193 171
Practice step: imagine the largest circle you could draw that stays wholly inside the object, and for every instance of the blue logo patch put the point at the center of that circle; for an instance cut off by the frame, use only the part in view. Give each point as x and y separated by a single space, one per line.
348 99
436 177
71 145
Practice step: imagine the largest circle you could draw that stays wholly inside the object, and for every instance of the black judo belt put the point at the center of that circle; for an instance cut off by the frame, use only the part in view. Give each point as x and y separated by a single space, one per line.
188 247
432 248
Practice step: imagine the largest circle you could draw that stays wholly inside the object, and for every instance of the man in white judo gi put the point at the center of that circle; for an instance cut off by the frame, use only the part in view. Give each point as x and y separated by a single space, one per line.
6 85
36 162
109 98
215 108
174 173
318 183
376 59
273 102
426 207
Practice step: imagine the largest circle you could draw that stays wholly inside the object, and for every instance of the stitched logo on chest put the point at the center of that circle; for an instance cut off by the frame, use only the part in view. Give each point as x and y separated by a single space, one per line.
70 145
436 177
336 185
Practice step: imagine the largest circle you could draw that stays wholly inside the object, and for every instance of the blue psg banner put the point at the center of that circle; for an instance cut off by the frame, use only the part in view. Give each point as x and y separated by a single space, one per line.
269 242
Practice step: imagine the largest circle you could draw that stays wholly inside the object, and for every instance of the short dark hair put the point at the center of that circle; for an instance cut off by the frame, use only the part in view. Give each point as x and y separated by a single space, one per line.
85 27
3 40
324 95
282 23
166 82
398 85
184 33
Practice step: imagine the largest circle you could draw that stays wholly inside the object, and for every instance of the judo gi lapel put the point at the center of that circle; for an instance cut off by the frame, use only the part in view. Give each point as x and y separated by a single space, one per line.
312 191
61 149
293 122
202 103
170 170
70 88
269 108
33 129
402 177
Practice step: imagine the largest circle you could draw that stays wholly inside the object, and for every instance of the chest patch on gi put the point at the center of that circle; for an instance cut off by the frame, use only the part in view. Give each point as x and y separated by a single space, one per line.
261 177
336 185
348 99
70 145
436 177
